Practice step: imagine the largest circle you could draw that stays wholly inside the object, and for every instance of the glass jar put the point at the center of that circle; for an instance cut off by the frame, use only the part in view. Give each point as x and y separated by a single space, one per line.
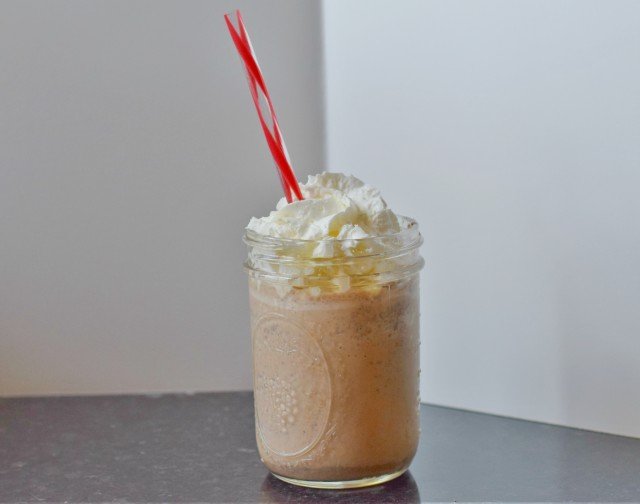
336 356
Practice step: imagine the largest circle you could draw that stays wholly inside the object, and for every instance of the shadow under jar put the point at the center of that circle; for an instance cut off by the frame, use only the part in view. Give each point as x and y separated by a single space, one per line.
336 357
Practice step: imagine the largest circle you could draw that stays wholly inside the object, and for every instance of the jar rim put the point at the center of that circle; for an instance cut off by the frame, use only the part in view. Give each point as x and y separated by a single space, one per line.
289 260
394 255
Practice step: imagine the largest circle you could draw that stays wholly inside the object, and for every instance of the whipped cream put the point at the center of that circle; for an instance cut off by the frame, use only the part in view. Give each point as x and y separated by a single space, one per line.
338 209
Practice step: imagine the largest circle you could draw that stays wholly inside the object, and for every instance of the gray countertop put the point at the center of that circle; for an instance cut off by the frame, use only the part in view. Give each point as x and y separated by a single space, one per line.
201 448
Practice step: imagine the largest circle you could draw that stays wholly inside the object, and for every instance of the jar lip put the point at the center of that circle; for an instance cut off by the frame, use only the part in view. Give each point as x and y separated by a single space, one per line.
409 235
370 259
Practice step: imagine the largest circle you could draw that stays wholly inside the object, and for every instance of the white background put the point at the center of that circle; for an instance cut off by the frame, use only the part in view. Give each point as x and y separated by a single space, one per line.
131 159
511 130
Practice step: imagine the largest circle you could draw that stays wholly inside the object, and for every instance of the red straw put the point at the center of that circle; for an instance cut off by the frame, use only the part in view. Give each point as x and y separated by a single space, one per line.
258 88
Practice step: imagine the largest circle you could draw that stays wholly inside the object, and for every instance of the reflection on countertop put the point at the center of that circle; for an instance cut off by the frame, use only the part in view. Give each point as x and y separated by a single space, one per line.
401 490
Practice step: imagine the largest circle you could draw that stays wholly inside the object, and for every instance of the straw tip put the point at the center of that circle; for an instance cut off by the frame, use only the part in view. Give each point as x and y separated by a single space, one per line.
229 15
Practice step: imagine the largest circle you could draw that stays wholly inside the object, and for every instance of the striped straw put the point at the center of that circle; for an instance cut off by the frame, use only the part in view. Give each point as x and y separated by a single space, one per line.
267 117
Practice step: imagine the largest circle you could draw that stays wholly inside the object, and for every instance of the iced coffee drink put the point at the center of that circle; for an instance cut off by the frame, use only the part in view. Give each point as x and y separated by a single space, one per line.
333 283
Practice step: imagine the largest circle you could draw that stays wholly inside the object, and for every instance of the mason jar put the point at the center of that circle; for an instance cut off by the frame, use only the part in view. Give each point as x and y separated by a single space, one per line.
335 341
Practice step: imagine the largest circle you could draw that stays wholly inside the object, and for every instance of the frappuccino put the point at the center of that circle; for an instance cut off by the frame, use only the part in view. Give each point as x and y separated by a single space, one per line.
333 285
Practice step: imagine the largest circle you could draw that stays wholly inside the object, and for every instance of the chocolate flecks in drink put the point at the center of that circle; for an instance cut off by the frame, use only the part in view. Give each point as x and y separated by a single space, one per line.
350 361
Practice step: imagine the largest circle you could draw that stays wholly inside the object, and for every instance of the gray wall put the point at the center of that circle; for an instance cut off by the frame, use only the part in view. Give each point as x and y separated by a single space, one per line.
130 161
511 130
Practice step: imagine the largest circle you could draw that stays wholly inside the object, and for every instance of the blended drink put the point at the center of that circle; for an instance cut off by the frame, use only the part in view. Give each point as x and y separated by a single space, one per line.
333 282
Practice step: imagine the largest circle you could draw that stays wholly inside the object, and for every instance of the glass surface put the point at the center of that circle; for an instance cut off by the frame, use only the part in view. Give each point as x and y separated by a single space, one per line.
336 362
